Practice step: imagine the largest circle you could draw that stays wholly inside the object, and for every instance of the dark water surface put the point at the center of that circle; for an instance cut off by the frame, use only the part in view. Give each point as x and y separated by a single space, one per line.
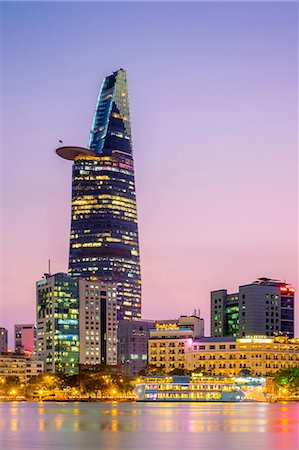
213 426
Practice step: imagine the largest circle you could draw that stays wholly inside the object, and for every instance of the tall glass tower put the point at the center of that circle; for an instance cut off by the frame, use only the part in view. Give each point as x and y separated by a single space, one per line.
104 233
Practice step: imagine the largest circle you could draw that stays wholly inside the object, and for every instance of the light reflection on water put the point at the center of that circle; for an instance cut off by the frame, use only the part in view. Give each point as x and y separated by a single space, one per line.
43 426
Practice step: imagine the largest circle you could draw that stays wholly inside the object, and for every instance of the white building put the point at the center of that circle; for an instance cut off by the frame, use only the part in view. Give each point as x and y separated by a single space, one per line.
98 322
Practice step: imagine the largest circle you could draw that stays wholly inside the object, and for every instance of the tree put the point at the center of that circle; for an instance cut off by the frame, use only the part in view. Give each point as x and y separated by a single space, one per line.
157 370
287 379
11 386
92 383
123 385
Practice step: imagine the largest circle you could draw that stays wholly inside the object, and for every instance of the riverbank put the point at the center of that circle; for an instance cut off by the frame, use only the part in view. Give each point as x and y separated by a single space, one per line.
68 400
130 400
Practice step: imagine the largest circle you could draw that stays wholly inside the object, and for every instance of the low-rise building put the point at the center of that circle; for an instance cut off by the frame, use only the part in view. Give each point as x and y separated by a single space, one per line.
260 356
24 367
171 339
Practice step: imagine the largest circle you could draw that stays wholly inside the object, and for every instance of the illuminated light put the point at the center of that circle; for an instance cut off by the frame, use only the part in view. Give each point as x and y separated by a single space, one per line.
93 175
283 289
291 289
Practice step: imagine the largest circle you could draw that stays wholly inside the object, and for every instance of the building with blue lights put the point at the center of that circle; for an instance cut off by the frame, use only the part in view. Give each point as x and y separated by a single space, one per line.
57 317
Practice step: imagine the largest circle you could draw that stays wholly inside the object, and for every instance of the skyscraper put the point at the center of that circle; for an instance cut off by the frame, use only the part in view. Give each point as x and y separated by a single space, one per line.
104 233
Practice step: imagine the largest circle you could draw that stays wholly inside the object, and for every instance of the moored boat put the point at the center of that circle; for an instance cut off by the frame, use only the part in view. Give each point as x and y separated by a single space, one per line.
189 389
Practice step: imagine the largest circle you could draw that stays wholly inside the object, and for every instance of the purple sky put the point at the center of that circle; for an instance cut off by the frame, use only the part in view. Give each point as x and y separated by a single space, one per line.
213 95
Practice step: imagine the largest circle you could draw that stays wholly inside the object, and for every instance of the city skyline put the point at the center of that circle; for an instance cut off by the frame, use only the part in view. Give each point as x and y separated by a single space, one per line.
215 145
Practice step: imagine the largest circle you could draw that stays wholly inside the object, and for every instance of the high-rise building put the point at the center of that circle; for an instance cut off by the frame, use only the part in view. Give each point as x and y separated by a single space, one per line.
264 307
3 340
98 323
57 311
24 338
132 345
104 234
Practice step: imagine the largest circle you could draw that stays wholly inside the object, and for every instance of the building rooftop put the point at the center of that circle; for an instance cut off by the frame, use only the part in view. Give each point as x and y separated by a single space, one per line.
215 339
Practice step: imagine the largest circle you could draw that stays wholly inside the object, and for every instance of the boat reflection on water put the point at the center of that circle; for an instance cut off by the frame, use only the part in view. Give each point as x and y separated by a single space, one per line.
200 388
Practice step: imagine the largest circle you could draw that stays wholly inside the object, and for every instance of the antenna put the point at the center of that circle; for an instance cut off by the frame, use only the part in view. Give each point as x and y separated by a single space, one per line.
49 266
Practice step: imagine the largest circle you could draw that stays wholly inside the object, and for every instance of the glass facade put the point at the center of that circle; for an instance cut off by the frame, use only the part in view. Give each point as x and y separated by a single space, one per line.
58 323
232 316
104 234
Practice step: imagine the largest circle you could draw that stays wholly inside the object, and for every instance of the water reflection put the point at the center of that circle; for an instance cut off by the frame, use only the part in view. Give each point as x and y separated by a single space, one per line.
41 425
266 426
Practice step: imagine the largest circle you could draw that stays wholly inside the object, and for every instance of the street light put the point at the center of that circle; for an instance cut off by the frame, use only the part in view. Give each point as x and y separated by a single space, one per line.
13 392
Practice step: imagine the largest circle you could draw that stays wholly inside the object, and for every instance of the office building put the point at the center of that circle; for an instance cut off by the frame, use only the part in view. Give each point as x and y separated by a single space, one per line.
98 323
58 323
104 233
133 339
3 340
264 307
24 338
22 366
225 356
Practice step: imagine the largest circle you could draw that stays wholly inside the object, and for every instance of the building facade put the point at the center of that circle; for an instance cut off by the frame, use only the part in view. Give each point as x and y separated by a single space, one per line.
22 366
98 322
265 307
170 340
227 356
57 311
133 339
104 241
24 338
3 340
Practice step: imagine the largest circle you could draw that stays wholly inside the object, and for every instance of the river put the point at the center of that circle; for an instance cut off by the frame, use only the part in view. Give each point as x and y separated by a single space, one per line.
93 426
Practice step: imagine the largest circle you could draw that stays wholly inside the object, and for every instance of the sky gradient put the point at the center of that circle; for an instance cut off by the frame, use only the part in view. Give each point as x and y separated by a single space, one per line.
213 96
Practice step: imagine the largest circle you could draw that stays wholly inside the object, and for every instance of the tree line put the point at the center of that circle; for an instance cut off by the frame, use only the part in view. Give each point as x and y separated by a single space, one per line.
89 384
